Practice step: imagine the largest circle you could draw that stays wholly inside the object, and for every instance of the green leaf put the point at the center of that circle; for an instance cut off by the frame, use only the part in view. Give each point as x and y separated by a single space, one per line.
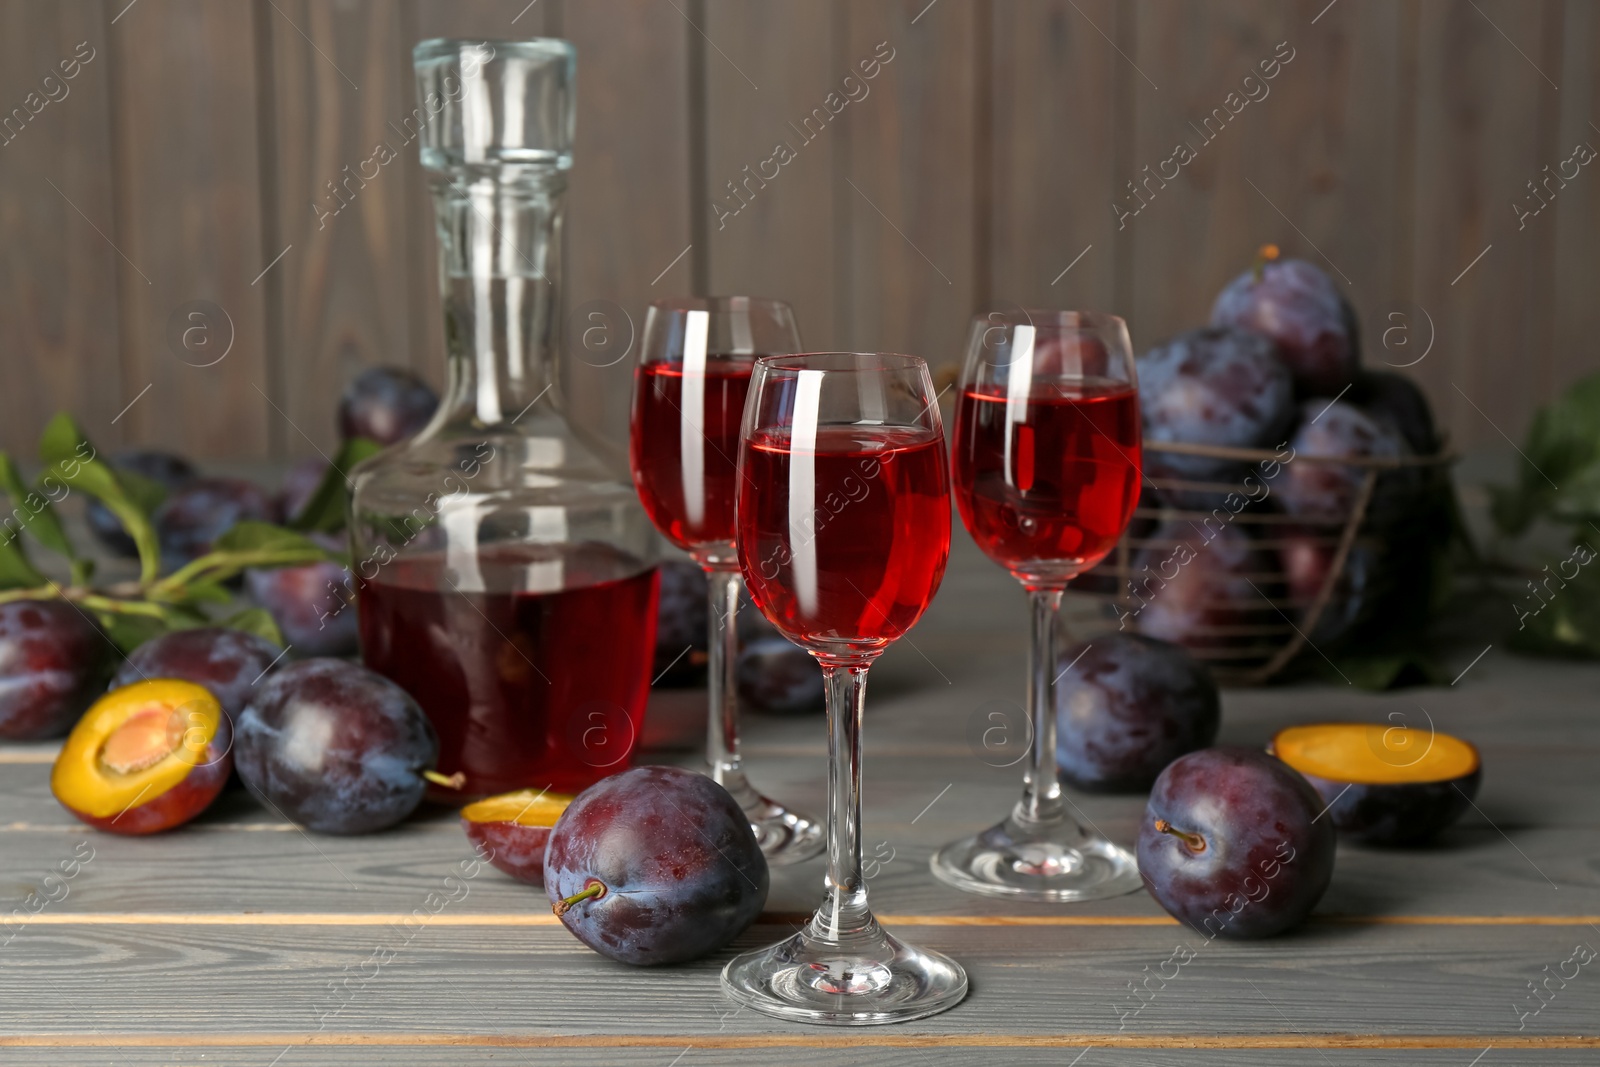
1560 470
256 621
15 570
69 456
128 632
251 536
146 493
248 545
32 509
325 511
1376 672
1563 617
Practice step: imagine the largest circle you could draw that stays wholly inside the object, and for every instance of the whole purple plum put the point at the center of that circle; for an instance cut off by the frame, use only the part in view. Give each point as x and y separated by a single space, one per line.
386 405
1328 491
655 865
314 605
1202 585
1308 557
1397 401
681 624
53 663
226 662
1298 306
1128 705
775 675
164 468
1211 387
335 747
1232 844
299 485
195 514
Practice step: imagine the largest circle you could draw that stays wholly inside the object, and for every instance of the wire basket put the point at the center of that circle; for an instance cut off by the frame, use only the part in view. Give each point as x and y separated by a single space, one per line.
1368 551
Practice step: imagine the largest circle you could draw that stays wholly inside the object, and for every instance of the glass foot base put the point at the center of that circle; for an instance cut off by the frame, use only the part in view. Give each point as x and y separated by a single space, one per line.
863 979
785 836
1051 861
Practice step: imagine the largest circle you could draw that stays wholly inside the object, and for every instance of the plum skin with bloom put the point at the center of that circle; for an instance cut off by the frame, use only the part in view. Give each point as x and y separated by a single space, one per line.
335 747
1264 857
1212 386
679 871
195 514
386 405
226 662
1128 705
1297 305
52 664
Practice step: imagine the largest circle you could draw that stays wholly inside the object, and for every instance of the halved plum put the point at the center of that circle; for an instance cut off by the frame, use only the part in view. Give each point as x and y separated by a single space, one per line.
1383 784
145 757
511 830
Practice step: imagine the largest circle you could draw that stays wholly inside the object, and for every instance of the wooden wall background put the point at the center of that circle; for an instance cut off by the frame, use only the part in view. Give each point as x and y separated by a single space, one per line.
190 148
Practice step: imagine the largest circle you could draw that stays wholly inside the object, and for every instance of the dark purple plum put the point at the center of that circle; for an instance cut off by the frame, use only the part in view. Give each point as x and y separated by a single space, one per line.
681 622
1328 491
386 405
53 663
775 675
1308 557
299 485
1396 400
1128 705
168 470
314 606
194 515
655 865
1384 784
1231 843
1298 306
226 662
1211 387
1202 584
335 747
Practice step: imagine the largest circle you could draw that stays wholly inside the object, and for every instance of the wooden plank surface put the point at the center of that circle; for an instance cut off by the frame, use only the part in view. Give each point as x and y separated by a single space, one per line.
768 69
220 940
55 162
189 195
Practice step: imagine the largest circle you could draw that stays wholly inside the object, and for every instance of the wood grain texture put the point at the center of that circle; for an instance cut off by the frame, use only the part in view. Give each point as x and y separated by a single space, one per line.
341 84
1056 85
906 214
1576 317
1485 130
628 215
189 195
768 70
58 273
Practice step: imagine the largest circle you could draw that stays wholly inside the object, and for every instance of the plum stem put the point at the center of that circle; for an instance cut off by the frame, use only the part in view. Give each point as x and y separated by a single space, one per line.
457 780
592 890
1194 842
1268 253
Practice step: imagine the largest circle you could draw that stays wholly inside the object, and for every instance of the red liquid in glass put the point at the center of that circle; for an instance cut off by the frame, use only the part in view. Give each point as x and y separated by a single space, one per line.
1053 503
872 538
541 682
684 447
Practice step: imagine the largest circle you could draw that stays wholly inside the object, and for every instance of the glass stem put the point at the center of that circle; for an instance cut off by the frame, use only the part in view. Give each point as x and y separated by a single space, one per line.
844 913
722 733
1041 791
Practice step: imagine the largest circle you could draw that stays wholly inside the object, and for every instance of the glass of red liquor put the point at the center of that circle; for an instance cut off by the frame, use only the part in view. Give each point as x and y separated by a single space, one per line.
505 570
1046 469
844 530
688 398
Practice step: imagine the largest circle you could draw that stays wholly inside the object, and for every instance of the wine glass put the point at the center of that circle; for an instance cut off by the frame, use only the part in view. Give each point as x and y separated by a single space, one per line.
1046 469
844 530
688 398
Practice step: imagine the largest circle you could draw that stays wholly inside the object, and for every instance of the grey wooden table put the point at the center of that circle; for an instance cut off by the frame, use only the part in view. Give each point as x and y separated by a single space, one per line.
242 940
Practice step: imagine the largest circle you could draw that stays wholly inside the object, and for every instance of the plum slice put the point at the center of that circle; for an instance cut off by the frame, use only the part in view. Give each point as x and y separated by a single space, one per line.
1385 785
145 758
512 829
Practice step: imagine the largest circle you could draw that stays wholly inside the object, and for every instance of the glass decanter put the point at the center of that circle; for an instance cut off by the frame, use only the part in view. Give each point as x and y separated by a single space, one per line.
505 571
